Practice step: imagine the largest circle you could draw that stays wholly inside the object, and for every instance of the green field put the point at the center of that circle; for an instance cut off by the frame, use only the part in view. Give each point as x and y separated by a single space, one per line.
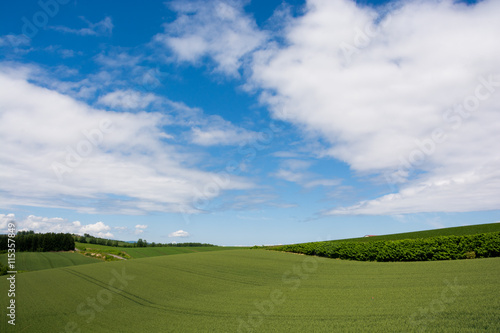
259 291
454 231
145 252
34 261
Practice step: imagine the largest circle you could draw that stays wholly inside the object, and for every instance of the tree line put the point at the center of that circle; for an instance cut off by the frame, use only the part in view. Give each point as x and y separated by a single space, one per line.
483 245
43 242
31 242
88 239
144 243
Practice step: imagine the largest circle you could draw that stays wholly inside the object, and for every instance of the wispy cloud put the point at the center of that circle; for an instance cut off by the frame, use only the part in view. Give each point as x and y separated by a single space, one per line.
295 171
14 40
216 131
127 99
89 159
101 28
255 201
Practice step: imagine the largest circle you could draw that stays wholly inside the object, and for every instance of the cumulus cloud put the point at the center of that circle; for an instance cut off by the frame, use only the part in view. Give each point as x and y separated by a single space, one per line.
179 233
217 29
408 94
41 224
5 219
139 229
88 159
97 228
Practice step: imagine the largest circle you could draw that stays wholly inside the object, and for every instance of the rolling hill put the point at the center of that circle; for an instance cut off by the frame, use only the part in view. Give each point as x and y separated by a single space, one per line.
258 291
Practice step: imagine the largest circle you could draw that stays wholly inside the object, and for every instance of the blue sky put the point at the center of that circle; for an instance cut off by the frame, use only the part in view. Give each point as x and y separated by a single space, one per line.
248 122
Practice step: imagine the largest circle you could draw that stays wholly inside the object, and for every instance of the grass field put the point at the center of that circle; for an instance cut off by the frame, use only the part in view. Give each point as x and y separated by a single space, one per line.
34 261
456 231
145 252
259 291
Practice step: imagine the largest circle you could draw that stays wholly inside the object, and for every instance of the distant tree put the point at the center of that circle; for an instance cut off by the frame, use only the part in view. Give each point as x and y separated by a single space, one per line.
3 242
35 241
3 269
26 232
82 239
92 240
140 243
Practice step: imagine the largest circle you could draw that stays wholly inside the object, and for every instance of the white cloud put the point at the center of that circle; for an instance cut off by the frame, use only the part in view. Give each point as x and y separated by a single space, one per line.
14 40
116 59
378 89
204 130
455 193
290 176
79 163
64 53
99 229
41 224
101 28
220 133
218 29
139 228
179 233
127 99
5 219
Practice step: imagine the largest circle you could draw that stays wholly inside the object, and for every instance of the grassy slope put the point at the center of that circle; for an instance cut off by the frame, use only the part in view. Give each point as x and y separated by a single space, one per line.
216 291
144 252
34 261
457 231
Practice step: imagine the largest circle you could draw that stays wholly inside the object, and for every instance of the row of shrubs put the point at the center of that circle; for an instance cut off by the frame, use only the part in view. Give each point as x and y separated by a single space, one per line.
420 249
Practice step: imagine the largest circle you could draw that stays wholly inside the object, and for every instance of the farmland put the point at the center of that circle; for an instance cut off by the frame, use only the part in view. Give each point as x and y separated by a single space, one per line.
222 289
144 252
260 291
34 261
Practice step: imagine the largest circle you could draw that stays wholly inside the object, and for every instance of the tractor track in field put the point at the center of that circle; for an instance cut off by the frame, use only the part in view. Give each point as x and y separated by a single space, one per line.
134 298
217 277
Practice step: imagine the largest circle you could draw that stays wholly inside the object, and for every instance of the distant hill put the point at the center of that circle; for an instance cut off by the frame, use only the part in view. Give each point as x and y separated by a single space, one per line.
468 242
454 231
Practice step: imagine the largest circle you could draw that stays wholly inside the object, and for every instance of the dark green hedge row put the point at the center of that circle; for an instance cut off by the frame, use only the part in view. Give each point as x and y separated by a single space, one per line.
421 249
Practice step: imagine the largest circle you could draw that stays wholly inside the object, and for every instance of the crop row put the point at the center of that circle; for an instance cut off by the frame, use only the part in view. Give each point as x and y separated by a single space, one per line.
435 248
